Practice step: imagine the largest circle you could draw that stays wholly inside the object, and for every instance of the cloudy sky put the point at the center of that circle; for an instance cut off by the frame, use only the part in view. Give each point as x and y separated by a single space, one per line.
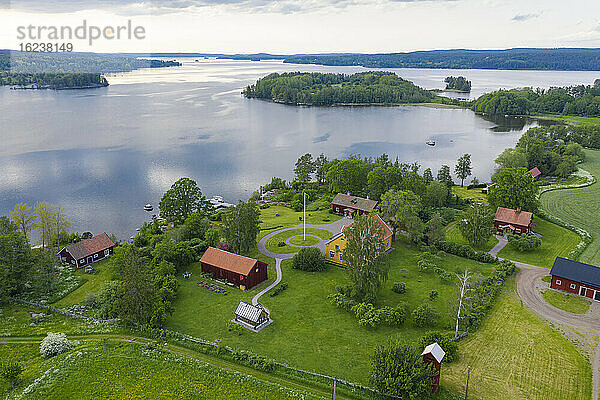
301 26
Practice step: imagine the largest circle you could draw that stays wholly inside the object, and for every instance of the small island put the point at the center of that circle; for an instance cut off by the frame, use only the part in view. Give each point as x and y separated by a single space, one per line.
458 84
319 89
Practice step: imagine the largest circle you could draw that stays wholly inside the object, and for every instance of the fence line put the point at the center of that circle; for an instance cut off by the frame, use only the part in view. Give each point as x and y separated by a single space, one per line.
65 313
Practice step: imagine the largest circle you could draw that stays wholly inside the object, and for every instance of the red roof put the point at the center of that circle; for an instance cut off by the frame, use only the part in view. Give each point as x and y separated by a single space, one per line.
535 172
388 231
514 217
228 261
87 247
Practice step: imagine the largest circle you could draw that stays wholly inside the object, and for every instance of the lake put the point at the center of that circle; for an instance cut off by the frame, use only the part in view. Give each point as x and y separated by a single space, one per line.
103 153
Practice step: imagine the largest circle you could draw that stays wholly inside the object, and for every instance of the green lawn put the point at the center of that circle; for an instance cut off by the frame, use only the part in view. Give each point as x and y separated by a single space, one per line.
571 120
453 235
127 371
556 242
288 217
515 355
474 194
579 207
310 333
300 241
272 243
93 284
569 303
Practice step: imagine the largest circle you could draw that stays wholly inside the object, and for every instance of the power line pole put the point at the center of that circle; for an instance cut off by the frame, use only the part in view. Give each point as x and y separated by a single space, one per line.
468 374
334 384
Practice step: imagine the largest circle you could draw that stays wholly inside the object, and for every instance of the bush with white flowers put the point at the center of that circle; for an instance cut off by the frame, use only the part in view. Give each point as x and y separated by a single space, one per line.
55 343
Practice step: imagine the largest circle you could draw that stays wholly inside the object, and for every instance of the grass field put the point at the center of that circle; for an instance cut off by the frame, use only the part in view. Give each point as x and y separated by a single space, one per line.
556 242
572 304
474 194
300 241
272 243
515 355
288 217
579 207
93 284
453 235
128 371
307 331
571 120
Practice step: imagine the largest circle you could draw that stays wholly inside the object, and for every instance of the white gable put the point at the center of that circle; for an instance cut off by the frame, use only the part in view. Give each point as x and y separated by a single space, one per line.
248 311
436 351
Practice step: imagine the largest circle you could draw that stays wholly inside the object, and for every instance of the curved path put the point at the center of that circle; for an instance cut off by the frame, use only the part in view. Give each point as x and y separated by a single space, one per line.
333 227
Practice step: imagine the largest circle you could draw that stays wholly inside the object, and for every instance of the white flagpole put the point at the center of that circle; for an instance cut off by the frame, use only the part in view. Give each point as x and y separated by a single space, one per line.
304 217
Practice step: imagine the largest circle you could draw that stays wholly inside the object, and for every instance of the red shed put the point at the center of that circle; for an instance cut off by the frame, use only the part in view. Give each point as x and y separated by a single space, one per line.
87 251
576 277
347 204
239 270
433 355
516 221
536 174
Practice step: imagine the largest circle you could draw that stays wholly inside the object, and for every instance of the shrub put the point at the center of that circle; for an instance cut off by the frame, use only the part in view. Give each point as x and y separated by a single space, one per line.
425 315
399 287
463 250
341 301
443 274
433 295
278 289
255 361
11 372
443 339
309 259
393 316
54 344
91 301
235 328
524 242
367 315
281 244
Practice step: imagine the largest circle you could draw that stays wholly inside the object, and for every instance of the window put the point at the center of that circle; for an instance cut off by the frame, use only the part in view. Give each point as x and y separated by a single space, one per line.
96 255
106 252
82 261
256 269
73 262
573 286
341 256
582 291
332 254
597 295
558 282
337 247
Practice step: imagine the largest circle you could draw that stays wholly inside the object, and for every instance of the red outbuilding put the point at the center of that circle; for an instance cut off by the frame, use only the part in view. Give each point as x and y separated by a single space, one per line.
516 221
433 355
241 271
87 251
536 174
576 277
349 205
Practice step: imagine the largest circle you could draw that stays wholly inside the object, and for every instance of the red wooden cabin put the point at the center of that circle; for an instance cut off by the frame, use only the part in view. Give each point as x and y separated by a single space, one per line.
87 251
516 221
239 270
576 277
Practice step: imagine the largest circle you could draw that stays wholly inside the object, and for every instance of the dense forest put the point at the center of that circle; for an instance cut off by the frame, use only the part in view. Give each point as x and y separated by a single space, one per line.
330 89
458 83
66 70
513 59
573 100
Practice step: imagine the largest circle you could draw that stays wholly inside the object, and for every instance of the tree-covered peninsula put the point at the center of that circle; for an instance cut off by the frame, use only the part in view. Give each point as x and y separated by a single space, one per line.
458 84
302 88
578 100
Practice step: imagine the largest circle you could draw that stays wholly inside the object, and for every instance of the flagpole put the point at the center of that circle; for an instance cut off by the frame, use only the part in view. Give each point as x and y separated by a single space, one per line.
304 216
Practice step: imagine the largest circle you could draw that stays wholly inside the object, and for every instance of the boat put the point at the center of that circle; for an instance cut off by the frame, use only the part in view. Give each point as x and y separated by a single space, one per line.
430 143
148 207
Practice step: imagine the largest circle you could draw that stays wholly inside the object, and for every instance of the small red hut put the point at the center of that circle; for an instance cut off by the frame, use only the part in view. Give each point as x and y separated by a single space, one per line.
239 270
433 355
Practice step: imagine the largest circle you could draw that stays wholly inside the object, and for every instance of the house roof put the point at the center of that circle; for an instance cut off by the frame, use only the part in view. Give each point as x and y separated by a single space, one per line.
386 229
248 311
436 351
535 172
87 247
576 271
357 203
510 216
228 261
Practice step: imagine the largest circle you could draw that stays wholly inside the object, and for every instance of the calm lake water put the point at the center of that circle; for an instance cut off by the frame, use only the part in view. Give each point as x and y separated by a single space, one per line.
103 153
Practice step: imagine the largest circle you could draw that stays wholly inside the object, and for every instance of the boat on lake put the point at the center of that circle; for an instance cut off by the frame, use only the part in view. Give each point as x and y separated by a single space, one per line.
430 143
148 207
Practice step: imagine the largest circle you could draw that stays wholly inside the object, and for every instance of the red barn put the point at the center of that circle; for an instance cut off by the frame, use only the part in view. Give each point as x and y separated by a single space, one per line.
433 355
516 221
536 174
87 251
348 205
576 277
239 270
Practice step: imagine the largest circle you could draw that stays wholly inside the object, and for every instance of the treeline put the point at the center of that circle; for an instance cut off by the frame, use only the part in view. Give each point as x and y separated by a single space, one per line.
329 89
458 83
512 59
52 80
573 100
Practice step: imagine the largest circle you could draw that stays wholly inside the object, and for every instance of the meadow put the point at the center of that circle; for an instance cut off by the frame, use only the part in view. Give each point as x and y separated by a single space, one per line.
570 303
578 206
453 235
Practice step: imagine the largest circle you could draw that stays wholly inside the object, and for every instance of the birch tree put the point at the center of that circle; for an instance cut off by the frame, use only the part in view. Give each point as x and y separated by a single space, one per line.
463 290
24 218
45 221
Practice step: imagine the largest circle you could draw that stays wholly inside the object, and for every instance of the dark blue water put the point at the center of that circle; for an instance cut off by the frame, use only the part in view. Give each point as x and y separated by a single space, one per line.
103 153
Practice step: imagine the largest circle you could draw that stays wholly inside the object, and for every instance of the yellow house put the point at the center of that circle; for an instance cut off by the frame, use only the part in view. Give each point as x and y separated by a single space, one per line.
334 247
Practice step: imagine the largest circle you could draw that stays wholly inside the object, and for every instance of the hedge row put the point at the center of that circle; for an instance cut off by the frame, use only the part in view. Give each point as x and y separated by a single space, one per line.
462 250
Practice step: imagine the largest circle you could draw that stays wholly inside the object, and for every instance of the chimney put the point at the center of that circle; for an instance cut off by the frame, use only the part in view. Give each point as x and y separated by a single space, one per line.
367 197
518 210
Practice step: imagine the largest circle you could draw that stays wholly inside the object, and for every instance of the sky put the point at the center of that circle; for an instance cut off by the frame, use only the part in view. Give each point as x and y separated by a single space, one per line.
302 26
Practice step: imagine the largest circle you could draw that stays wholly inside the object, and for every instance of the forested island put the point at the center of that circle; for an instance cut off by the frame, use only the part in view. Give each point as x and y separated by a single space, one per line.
563 59
458 84
302 88
29 70
578 100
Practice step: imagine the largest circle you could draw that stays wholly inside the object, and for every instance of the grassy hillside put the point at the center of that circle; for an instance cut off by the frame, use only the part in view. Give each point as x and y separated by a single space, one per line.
515 355
579 207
